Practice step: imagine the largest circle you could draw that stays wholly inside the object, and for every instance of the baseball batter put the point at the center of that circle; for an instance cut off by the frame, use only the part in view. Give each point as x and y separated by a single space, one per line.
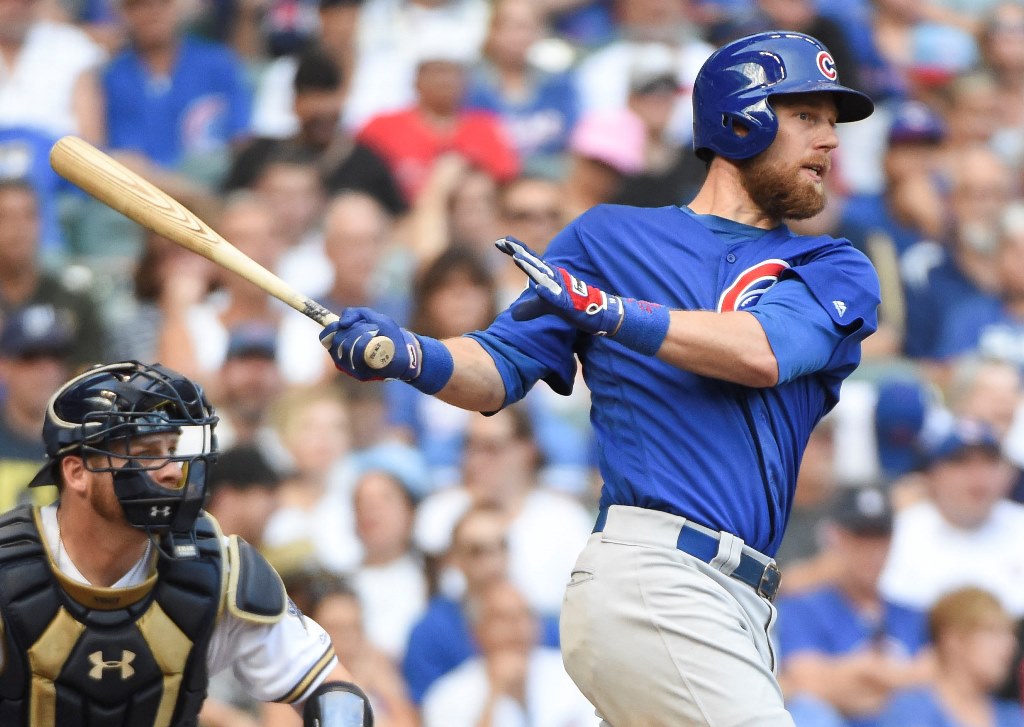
721 340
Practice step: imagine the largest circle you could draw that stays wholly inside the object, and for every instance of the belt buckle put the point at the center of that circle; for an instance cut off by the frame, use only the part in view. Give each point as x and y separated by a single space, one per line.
771 577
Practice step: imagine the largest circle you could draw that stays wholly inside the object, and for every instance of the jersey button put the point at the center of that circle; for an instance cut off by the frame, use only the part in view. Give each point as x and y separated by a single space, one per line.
730 258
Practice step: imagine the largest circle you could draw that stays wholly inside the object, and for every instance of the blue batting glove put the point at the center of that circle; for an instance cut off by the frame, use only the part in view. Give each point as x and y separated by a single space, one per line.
636 324
347 339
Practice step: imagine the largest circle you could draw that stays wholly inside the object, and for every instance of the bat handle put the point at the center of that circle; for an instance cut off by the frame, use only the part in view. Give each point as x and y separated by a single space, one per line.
379 351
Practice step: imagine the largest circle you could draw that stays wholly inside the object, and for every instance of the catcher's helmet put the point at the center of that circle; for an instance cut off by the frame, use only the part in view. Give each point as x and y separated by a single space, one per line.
104 410
735 83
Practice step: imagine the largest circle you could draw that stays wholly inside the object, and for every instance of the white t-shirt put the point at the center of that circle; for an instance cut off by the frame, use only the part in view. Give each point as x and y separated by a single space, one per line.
457 699
268 660
929 557
394 597
37 90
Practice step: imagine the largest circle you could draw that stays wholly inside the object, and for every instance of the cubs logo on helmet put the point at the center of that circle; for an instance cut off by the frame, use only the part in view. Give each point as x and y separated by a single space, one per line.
750 285
826 65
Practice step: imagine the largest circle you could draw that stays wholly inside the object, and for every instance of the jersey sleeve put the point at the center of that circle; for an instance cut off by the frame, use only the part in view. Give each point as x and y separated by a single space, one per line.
843 283
280 662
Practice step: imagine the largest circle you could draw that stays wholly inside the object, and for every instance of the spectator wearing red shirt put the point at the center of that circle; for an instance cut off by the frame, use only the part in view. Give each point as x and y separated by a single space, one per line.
411 140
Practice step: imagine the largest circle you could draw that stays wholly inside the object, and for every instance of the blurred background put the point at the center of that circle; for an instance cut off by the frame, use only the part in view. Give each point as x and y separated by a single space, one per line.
369 152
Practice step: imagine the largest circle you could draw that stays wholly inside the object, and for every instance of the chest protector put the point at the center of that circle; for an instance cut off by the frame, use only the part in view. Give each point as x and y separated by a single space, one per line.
83 656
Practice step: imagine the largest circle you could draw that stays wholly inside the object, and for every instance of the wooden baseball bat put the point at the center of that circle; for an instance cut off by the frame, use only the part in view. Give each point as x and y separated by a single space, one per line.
118 187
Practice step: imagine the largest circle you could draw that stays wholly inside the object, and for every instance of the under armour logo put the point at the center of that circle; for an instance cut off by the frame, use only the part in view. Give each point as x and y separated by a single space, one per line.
99 664
162 511
840 307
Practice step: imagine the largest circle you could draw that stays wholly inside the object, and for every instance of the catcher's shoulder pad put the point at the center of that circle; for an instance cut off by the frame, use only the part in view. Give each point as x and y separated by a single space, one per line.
255 592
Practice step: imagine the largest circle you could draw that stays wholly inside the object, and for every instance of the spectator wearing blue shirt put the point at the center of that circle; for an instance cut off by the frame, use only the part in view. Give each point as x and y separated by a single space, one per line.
993 326
177 101
843 648
974 648
442 638
940 277
538 108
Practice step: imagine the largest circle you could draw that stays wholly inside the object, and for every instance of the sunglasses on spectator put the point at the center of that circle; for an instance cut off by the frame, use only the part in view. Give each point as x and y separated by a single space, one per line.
524 214
475 549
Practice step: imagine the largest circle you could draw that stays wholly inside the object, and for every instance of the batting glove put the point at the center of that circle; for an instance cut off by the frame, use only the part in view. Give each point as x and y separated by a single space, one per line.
347 338
636 324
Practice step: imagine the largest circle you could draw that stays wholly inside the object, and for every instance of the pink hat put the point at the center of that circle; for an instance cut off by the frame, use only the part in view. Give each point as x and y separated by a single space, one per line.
615 137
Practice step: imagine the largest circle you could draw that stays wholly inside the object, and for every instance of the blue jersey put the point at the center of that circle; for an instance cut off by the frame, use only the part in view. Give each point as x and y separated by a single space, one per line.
921 707
721 454
199 109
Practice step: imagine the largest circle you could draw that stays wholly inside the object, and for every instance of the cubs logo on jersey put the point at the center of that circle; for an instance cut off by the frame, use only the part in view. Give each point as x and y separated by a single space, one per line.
750 285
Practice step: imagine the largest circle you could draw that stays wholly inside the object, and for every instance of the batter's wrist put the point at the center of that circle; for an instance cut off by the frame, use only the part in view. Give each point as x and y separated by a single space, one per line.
437 365
643 327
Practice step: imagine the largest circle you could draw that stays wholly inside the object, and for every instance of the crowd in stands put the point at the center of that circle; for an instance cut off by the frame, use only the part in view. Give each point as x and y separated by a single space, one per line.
370 152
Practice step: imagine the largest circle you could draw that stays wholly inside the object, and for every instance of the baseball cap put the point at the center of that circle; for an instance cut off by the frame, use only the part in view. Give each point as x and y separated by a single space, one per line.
401 461
900 415
614 137
865 510
443 43
914 122
964 434
252 339
242 468
38 329
653 68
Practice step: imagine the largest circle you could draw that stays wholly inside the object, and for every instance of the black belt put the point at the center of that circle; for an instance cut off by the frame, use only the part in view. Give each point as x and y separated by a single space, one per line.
755 569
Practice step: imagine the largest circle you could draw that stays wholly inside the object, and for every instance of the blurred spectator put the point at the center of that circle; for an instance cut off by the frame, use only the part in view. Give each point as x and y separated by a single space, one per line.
529 209
337 608
175 104
986 390
545 528
842 645
34 346
606 148
992 326
907 211
248 384
973 637
604 75
274 104
23 282
242 493
1002 46
343 164
25 155
901 418
357 246
813 501
453 295
584 23
538 108
315 520
391 581
289 185
412 139
972 111
966 532
393 36
48 74
671 172
165 277
513 681
195 333
442 638
941 277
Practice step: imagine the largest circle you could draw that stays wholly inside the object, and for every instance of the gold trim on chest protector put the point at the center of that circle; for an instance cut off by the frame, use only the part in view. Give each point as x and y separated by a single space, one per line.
46 658
170 648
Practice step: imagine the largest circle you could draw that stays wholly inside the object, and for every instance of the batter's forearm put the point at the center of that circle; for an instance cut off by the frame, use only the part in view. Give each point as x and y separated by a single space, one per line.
475 383
729 346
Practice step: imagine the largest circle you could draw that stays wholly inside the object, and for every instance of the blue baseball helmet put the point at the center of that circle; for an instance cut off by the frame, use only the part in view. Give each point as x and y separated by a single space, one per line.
735 83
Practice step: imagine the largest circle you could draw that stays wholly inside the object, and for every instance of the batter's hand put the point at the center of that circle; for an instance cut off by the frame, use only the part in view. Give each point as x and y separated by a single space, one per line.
556 291
346 340
636 324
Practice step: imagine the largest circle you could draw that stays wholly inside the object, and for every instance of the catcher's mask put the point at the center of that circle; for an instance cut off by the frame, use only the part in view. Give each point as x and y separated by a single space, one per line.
109 415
